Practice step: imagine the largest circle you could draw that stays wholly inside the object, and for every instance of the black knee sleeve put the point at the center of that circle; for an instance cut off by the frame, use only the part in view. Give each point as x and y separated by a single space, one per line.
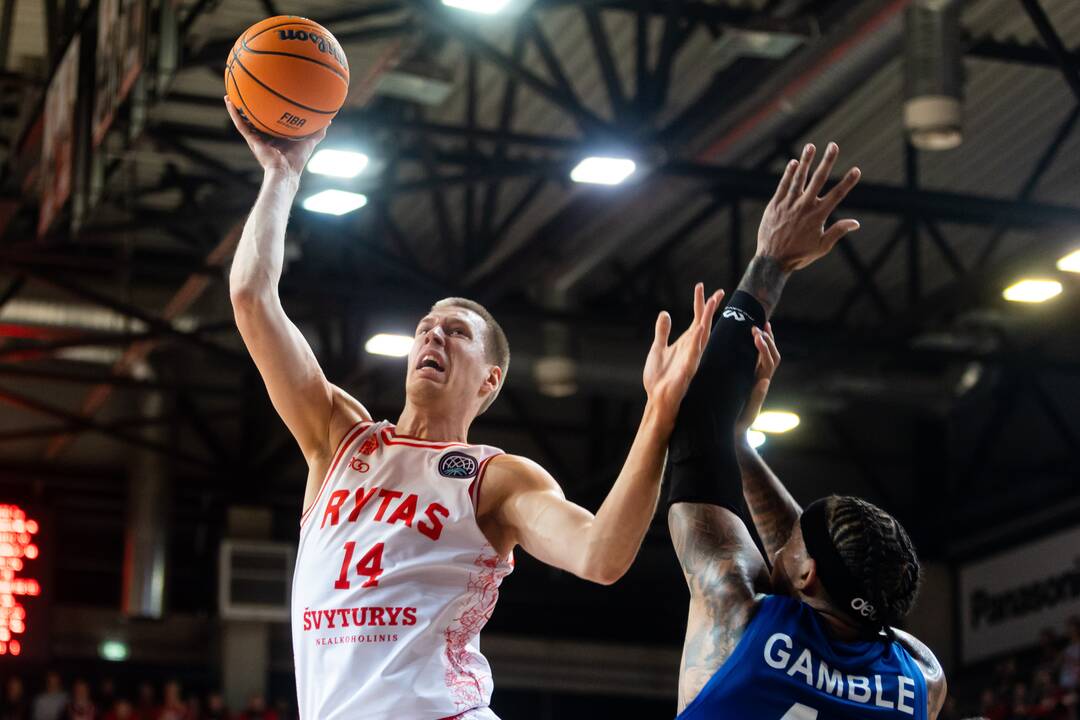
701 464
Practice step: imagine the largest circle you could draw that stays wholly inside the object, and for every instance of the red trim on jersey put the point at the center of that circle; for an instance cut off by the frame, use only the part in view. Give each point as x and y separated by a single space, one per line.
346 441
474 488
391 438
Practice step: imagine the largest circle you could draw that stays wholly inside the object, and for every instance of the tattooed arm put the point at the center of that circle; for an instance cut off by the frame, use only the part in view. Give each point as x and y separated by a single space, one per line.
772 508
723 568
724 571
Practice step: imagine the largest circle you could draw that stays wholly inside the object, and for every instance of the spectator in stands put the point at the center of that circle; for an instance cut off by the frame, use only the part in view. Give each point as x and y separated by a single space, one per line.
1049 651
993 707
81 706
1069 676
50 704
146 708
16 706
257 710
173 706
106 694
122 709
215 708
1047 694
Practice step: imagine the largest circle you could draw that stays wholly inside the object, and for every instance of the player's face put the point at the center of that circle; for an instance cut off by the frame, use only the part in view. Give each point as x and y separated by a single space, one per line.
448 355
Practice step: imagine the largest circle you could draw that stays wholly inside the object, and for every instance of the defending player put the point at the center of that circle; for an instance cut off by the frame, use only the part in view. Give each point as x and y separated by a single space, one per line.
814 638
407 530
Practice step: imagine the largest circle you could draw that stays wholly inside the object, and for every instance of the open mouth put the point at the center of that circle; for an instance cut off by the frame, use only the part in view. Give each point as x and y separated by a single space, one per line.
430 361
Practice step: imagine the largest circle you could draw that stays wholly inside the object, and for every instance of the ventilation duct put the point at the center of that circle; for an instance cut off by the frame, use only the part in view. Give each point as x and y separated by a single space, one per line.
934 74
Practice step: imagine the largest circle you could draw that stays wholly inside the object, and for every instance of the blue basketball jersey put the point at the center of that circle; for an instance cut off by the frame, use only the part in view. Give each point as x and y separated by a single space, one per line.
785 667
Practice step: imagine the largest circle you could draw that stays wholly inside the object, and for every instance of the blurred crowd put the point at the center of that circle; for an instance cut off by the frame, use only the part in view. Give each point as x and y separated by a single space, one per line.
79 701
1044 685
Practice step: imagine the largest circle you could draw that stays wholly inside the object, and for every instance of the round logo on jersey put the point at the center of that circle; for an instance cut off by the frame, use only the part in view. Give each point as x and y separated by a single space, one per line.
457 465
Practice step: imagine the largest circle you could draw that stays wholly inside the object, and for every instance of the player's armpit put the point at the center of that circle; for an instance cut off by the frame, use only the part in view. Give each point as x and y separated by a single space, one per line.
724 572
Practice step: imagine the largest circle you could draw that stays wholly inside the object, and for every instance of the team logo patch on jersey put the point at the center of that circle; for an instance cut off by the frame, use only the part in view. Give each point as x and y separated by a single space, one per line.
457 465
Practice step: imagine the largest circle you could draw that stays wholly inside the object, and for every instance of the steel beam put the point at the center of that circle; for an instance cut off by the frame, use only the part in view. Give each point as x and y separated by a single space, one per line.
602 51
1070 68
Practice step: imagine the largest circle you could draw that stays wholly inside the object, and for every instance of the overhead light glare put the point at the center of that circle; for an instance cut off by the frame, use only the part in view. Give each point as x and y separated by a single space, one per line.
389 344
335 202
603 170
1032 290
1070 263
756 438
338 163
114 650
484 7
775 421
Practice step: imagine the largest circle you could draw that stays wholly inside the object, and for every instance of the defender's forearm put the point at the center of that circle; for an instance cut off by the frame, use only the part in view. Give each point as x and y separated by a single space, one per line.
772 508
620 524
765 278
260 253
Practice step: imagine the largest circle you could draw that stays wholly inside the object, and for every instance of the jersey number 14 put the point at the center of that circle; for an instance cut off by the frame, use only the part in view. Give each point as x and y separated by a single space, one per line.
369 566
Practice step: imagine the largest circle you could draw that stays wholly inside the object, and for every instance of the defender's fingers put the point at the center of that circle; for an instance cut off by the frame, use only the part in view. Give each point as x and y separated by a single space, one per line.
836 231
821 174
784 187
663 329
773 351
799 182
710 309
699 302
835 196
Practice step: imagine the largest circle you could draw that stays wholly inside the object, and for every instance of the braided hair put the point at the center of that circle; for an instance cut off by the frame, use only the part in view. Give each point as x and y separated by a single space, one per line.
878 553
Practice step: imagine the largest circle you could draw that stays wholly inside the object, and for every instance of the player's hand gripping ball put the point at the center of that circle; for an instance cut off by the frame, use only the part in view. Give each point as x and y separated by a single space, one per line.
287 76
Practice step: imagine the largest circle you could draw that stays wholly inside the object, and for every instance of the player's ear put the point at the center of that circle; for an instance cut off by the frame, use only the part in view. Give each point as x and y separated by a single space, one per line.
806 573
494 378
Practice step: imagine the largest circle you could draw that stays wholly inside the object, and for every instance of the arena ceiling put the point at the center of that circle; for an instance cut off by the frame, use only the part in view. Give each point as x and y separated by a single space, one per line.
914 379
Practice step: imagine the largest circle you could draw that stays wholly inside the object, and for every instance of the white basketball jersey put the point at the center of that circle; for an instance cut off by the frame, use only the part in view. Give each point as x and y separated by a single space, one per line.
394 581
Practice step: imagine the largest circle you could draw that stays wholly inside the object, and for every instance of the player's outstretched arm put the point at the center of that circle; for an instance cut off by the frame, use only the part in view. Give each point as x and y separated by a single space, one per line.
773 510
310 406
602 547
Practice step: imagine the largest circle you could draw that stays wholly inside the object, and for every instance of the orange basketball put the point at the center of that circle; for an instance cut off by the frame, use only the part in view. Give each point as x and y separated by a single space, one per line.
287 76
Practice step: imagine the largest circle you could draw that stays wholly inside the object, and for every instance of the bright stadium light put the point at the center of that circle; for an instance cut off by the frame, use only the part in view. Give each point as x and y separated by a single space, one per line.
1070 263
1032 290
776 421
756 438
338 163
114 650
603 170
389 345
335 202
484 7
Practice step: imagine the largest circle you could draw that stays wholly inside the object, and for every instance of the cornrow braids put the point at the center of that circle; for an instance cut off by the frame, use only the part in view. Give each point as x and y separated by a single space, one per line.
878 553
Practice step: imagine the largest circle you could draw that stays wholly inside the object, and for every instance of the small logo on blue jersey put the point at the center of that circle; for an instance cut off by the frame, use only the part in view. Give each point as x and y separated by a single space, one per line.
457 465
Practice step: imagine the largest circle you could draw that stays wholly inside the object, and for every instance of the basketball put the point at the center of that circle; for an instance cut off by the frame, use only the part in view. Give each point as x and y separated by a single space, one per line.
287 76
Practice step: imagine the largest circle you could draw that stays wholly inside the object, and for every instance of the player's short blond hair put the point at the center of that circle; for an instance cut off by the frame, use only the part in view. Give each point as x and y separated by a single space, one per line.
496 346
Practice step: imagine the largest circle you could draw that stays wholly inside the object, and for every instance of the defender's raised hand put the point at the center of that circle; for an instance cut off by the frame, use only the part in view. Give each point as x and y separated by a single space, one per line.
792 230
670 368
283 155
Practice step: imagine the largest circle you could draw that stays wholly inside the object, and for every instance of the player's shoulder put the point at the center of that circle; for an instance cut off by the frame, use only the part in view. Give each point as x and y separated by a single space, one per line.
936 685
520 473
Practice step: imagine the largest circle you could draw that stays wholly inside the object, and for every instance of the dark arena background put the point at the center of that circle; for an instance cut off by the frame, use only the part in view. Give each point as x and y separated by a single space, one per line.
149 494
